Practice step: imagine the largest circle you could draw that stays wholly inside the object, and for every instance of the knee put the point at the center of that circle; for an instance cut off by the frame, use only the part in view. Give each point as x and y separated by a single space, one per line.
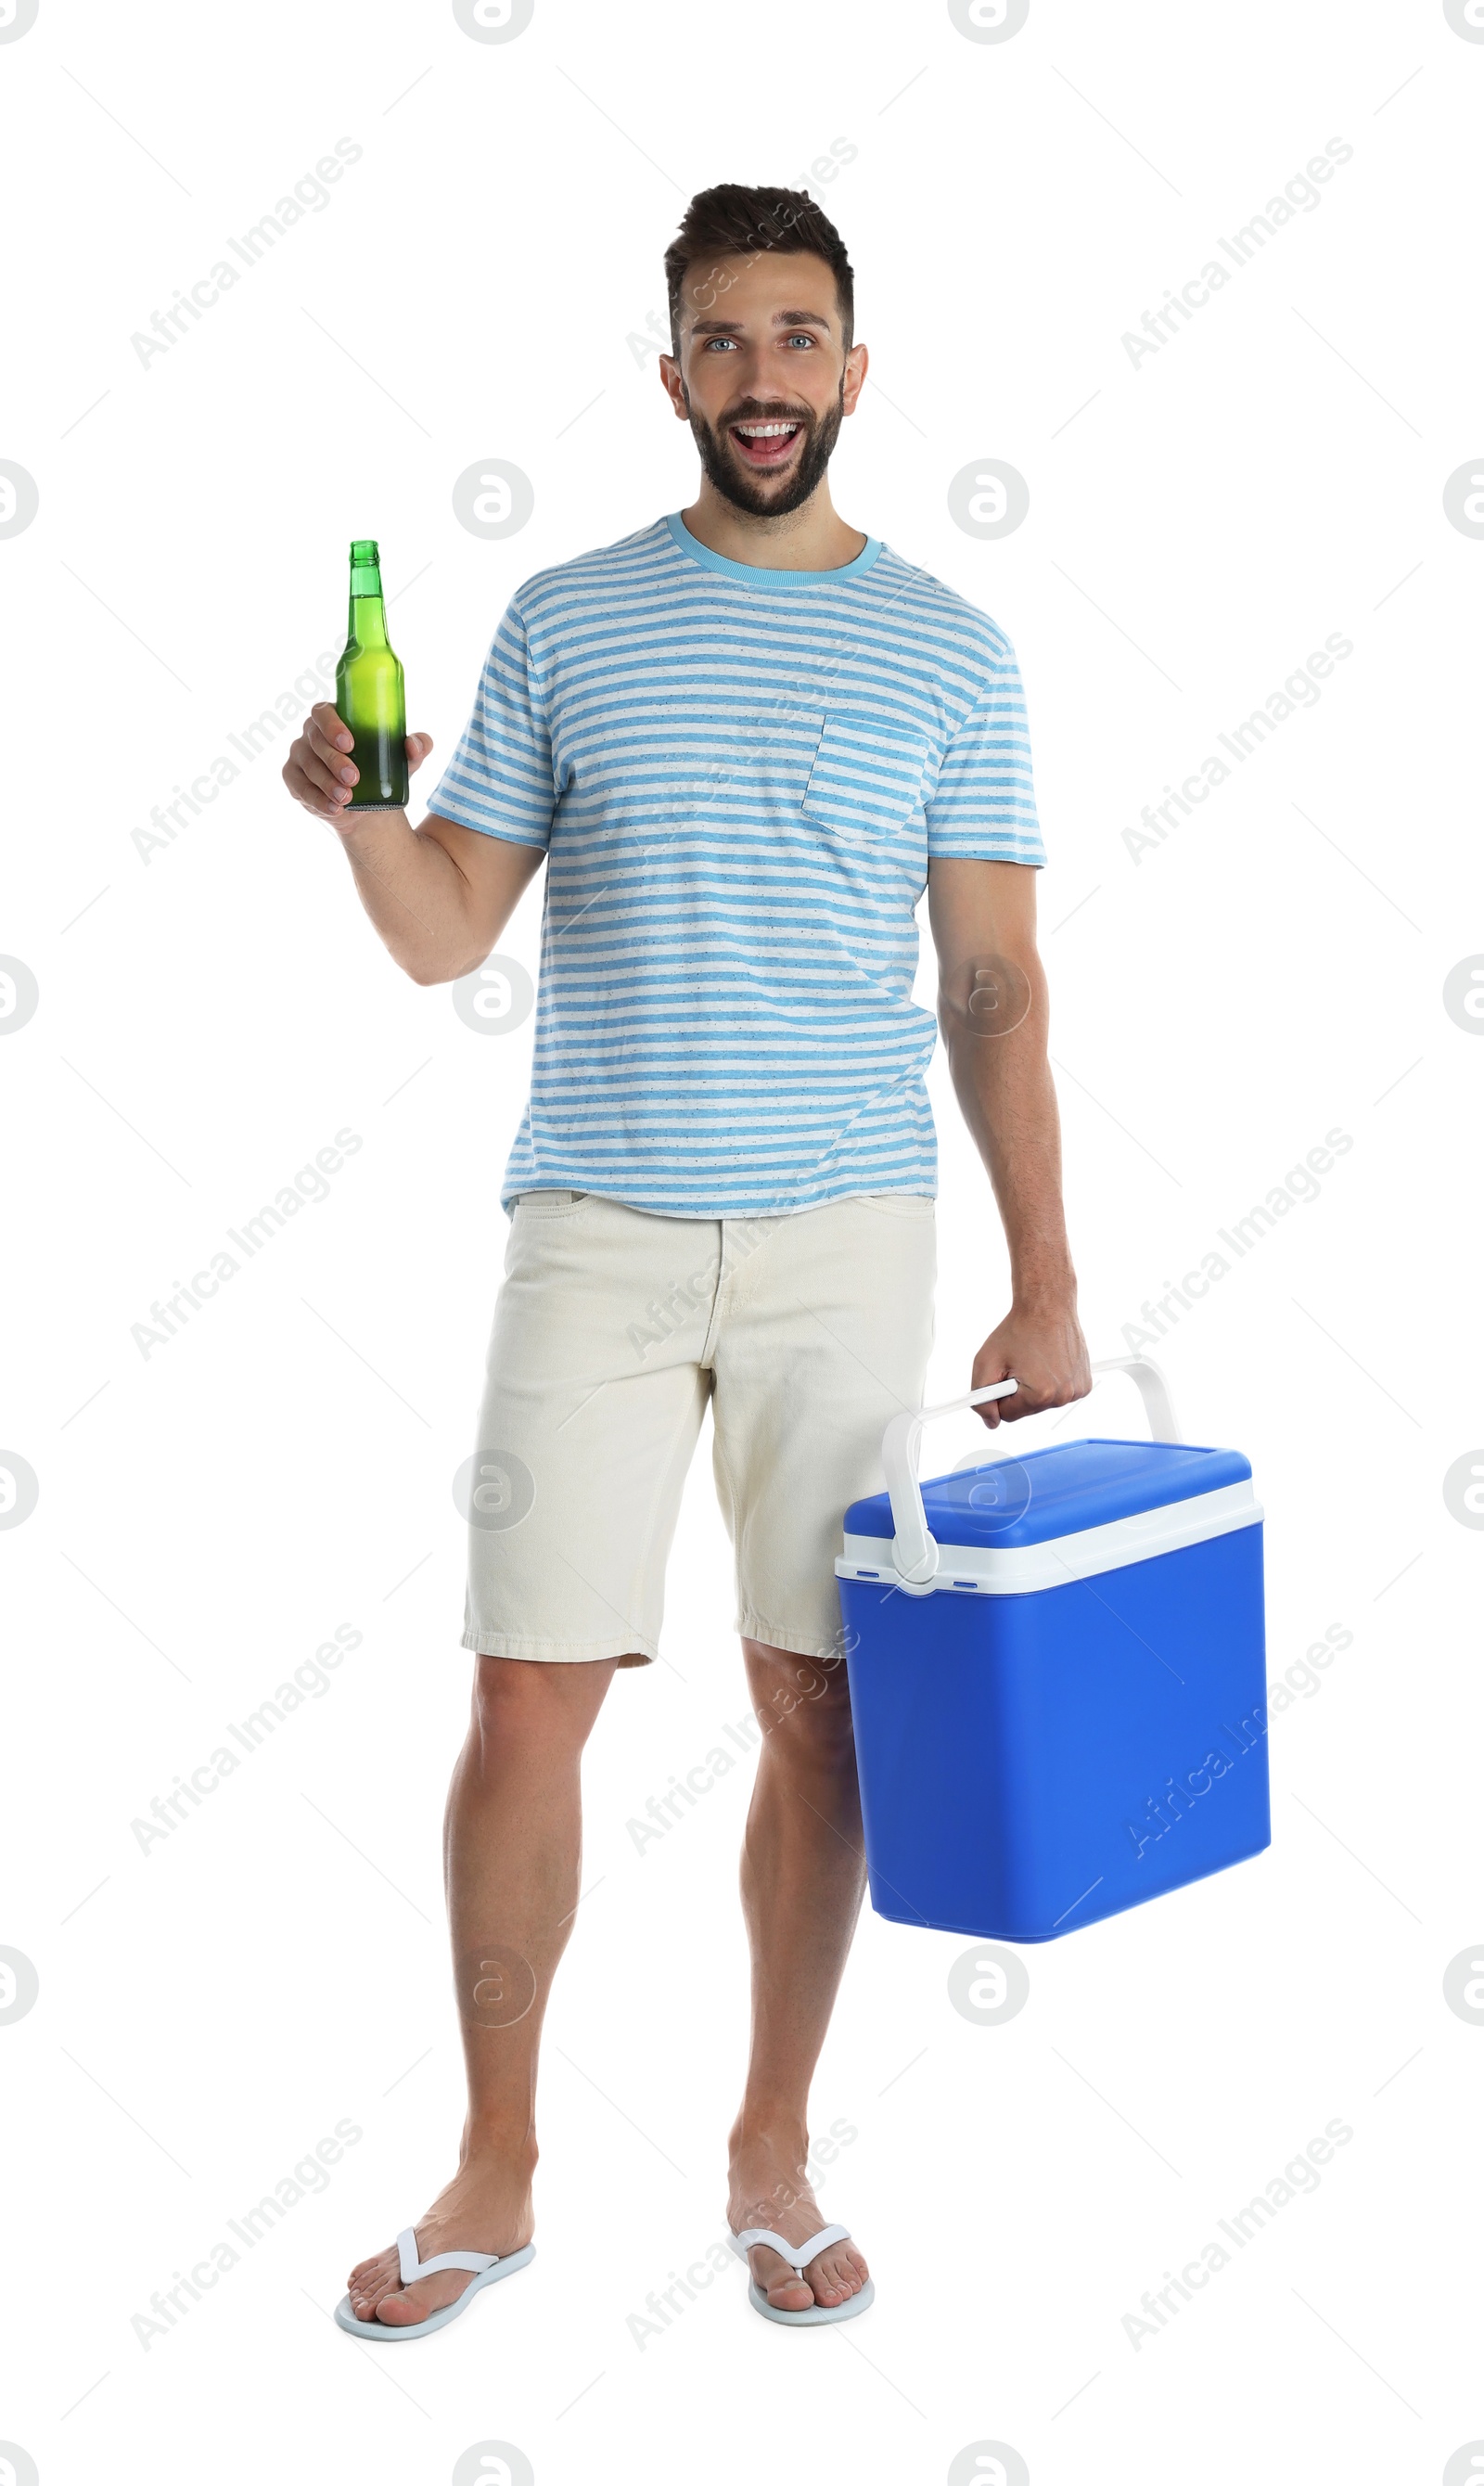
523 1701
803 1706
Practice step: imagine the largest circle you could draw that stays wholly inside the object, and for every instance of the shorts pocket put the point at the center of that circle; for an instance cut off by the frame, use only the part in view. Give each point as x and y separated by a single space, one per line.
866 779
899 1203
544 1204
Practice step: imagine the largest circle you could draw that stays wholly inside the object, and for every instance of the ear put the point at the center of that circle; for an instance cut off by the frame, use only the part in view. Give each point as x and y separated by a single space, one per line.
857 364
674 387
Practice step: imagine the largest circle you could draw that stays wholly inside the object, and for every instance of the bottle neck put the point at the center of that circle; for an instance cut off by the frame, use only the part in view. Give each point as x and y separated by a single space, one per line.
368 616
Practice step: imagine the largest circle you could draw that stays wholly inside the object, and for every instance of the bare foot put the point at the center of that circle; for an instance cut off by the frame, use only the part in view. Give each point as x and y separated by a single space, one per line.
486 2208
768 2188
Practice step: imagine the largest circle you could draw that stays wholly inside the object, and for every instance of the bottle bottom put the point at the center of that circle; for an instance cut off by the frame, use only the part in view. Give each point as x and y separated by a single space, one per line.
381 757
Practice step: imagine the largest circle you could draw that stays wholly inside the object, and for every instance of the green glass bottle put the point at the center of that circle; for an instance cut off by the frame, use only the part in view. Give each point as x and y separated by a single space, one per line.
369 693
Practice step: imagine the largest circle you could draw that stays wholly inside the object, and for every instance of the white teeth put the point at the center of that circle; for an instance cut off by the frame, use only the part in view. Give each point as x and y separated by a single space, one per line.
763 430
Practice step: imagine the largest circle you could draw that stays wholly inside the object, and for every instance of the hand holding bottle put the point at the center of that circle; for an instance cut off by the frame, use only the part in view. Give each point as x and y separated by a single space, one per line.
320 772
358 754
439 895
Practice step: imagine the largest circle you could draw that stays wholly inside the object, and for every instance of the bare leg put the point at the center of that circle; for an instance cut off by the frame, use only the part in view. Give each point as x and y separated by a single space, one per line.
802 1875
512 1850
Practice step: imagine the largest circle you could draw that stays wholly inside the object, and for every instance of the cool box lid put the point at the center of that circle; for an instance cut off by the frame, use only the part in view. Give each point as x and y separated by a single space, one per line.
1058 1491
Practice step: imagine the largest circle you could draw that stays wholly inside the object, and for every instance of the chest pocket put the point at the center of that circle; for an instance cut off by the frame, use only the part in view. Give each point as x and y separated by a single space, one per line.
866 780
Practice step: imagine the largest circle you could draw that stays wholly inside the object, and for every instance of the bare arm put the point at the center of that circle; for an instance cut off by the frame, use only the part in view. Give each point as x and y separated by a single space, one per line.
440 895
994 1015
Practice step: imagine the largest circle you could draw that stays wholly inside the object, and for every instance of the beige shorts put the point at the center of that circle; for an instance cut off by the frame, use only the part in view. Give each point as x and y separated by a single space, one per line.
614 1327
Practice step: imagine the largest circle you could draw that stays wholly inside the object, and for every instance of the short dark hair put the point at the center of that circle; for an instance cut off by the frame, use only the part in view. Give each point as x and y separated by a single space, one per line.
732 221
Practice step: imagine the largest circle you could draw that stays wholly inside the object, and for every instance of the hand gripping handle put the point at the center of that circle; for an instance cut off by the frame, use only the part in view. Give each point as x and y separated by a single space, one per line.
914 1547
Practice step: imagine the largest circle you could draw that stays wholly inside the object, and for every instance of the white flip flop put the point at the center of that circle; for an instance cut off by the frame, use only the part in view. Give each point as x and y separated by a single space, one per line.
798 2254
487 2267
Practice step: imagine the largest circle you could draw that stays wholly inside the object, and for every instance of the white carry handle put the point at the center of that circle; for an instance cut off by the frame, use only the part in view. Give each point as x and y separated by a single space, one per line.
1153 1389
914 1547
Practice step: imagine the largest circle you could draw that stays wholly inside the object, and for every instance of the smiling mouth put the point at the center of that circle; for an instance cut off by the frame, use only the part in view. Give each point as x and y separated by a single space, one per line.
766 444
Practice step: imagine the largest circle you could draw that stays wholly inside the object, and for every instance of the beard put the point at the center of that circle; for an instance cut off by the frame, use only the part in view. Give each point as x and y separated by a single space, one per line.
757 495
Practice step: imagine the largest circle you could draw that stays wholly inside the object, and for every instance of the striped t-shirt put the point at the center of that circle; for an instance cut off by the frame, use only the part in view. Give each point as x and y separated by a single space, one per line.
739 776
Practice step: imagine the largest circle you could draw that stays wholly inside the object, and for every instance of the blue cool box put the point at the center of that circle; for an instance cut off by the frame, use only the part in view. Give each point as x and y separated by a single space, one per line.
1066 1715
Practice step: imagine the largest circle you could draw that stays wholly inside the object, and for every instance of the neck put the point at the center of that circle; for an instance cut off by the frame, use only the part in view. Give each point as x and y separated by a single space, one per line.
368 620
813 536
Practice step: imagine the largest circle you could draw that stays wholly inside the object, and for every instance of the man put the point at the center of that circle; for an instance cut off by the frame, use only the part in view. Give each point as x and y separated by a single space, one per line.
743 739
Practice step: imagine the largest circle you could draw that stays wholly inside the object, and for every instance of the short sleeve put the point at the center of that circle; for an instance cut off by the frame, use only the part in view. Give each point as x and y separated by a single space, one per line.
500 777
982 806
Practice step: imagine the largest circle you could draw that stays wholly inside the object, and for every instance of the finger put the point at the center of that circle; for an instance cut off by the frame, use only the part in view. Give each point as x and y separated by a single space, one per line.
323 805
325 776
333 727
331 750
419 745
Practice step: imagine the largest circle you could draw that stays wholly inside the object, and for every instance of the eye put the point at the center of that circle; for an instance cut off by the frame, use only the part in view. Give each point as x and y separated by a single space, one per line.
719 344
801 337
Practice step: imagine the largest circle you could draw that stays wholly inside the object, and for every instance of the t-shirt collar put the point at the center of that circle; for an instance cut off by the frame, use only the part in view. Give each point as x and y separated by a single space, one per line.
768 582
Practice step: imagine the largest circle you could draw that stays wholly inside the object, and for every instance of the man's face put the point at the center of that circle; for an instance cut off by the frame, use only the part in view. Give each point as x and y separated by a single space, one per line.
763 376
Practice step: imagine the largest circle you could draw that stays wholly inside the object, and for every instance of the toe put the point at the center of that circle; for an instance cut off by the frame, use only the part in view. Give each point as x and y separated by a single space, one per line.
836 2275
370 2282
786 2291
399 2308
404 2305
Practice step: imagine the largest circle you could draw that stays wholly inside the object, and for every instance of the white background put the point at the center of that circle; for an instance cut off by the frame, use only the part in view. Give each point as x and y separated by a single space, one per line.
210 1017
